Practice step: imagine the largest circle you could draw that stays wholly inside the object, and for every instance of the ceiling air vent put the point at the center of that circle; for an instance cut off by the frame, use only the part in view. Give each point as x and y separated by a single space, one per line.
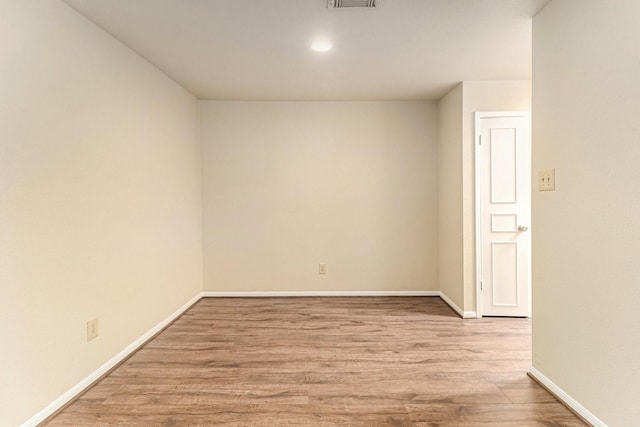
336 4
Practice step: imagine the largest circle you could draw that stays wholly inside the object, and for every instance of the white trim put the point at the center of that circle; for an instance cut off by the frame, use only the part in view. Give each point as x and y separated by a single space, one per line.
565 398
454 306
446 299
478 213
115 360
209 294
501 114
478 200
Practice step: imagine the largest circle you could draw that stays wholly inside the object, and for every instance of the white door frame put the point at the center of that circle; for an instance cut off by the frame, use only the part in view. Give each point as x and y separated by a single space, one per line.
478 209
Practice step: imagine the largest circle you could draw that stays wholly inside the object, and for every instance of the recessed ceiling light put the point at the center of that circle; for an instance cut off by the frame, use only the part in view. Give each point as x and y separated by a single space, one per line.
321 45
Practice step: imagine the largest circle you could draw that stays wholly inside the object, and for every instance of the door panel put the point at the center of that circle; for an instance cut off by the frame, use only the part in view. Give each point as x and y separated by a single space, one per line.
505 201
504 223
504 274
502 146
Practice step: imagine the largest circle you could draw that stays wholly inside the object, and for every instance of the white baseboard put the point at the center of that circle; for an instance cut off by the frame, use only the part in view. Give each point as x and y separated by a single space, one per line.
566 398
446 299
321 294
454 306
88 381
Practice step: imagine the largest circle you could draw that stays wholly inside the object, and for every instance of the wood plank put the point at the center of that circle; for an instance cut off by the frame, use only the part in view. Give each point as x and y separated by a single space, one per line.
333 361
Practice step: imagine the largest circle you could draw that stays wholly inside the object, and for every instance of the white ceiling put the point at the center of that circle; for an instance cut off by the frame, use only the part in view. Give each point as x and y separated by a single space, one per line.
259 49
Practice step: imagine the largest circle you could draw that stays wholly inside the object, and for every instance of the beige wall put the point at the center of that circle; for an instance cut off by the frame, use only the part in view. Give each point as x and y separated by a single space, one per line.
290 184
481 96
450 267
586 234
100 202
456 164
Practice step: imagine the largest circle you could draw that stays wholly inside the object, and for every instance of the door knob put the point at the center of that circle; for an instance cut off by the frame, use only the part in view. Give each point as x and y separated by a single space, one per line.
522 228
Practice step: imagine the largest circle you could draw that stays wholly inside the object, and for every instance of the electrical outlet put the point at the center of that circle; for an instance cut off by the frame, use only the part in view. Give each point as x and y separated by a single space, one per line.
322 268
92 329
547 180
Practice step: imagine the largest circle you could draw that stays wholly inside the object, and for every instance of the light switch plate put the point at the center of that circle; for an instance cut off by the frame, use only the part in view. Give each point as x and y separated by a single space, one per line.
547 180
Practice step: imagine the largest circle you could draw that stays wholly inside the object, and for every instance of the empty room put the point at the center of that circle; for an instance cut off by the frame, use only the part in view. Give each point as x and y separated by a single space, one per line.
319 212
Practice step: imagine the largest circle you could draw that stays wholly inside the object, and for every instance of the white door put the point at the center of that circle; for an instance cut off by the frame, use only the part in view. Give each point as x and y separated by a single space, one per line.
504 186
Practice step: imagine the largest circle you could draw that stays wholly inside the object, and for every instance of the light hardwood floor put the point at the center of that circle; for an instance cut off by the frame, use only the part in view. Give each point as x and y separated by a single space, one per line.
353 361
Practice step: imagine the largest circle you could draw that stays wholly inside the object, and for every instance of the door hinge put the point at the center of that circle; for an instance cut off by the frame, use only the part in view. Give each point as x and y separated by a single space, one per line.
480 140
481 285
